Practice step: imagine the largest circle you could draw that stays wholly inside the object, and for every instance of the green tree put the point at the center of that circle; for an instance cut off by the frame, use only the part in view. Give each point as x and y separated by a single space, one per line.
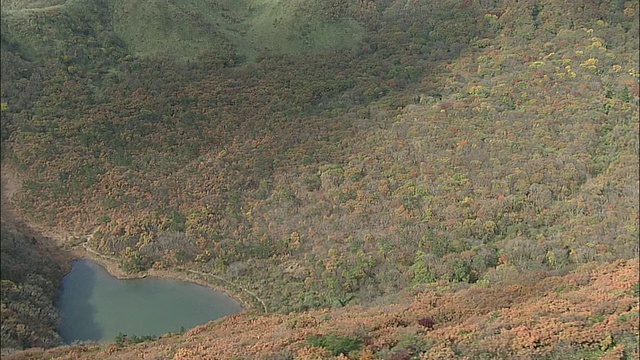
421 273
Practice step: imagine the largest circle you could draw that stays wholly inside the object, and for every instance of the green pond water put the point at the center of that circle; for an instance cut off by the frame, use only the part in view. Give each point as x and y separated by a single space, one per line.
96 306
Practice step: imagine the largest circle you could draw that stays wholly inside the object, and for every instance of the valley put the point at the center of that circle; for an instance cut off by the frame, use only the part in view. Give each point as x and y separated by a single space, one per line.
379 179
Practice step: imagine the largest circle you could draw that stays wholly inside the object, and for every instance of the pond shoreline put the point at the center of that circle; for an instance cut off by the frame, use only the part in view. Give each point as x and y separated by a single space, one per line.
111 265
65 248
96 306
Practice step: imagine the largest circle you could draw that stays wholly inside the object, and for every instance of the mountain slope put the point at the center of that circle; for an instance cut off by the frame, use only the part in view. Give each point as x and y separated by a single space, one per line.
449 143
590 314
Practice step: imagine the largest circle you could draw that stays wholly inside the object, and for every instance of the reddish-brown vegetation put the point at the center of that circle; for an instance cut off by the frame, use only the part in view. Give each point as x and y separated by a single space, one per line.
484 148
591 311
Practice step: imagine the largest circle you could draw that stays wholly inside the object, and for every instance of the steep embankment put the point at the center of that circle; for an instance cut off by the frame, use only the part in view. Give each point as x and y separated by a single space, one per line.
30 279
31 269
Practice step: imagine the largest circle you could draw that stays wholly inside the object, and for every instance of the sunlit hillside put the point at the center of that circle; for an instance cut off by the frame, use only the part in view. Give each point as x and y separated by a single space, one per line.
590 314
337 157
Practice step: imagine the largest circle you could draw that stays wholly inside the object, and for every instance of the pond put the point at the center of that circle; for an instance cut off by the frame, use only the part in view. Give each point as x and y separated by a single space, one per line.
96 306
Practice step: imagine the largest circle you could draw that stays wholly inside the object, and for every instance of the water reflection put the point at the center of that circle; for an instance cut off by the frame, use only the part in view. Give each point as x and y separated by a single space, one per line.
97 306
75 303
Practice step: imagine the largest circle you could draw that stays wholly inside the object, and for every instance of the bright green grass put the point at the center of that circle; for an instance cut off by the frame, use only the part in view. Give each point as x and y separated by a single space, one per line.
186 30
16 5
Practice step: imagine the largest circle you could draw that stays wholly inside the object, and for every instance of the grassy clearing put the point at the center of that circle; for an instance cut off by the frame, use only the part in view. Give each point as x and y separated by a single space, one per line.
169 28
228 30
17 5
294 27
190 30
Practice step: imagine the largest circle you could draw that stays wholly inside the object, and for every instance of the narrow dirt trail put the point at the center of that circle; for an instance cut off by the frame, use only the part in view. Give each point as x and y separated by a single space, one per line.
10 184
66 247
45 241
34 9
54 242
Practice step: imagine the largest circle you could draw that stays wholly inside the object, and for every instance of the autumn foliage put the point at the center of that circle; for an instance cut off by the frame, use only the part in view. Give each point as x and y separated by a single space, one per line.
591 312
476 151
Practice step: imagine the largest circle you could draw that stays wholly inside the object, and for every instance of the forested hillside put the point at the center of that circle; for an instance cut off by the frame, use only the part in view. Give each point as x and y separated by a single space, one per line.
29 289
31 267
328 153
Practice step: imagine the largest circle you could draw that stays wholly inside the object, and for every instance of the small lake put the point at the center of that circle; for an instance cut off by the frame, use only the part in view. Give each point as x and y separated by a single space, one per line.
96 306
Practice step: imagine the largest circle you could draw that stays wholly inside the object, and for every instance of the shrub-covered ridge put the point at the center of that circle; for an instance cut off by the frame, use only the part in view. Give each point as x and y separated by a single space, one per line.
591 313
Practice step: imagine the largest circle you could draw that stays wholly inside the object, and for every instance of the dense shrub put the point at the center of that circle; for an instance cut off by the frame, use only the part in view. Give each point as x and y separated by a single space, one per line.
336 344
